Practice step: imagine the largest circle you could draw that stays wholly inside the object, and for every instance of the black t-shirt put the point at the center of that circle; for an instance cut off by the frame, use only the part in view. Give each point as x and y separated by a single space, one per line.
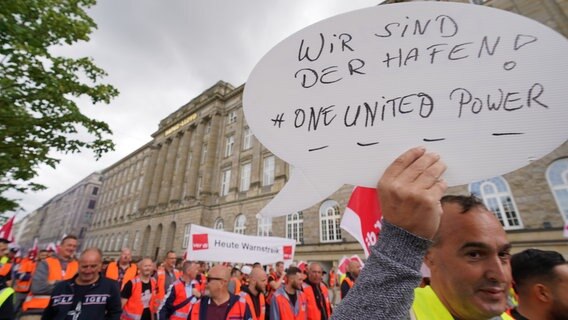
292 297
146 294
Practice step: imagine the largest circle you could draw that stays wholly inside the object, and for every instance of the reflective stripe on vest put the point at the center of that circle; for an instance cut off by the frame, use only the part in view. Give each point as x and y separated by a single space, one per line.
428 306
55 273
23 286
5 294
183 312
297 312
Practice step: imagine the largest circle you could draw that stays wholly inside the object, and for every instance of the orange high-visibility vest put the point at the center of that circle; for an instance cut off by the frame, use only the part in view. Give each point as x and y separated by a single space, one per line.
349 283
331 279
237 311
5 269
183 312
269 290
27 266
134 308
162 285
112 273
55 273
249 302
287 311
314 312
237 285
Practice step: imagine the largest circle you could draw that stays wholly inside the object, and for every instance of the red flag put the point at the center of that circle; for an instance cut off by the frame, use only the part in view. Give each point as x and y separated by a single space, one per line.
33 252
362 217
6 230
302 265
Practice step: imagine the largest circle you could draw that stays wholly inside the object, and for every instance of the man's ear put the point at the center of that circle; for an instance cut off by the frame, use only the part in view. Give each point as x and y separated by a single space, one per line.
429 259
542 292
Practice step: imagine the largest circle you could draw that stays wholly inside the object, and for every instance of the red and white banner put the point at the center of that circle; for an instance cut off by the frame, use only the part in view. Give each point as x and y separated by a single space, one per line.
215 245
344 263
6 230
362 217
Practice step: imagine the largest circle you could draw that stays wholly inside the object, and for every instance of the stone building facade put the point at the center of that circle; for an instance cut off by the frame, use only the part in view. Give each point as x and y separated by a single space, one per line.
203 166
70 212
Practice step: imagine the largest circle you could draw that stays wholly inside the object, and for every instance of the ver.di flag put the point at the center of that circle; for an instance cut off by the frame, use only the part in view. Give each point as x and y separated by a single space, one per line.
362 217
6 230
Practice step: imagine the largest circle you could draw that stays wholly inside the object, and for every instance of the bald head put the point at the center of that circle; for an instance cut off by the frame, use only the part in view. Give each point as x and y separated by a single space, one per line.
220 271
258 281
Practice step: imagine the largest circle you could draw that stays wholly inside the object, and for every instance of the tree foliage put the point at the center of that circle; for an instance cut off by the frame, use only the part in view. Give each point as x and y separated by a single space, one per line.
39 115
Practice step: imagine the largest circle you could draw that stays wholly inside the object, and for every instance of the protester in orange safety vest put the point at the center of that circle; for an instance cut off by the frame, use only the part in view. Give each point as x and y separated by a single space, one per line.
6 292
202 276
23 278
220 304
183 293
317 295
353 270
275 280
289 302
254 293
166 275
123 270
236 281
47 274
138 294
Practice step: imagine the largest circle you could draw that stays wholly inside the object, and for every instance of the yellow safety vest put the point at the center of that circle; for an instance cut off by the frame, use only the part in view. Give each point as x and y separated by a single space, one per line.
5 294
427 306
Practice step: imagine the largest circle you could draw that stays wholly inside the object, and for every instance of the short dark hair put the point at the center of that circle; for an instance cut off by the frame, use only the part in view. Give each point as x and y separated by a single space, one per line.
293 271
279 263
4 240
70 236
534 264
466 202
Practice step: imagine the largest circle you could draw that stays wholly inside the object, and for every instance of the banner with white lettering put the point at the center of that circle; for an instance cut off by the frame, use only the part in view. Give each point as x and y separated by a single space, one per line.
215 245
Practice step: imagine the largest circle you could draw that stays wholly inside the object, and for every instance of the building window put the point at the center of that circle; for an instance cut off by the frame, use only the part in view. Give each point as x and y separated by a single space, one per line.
229 143
118 242
208 127
136 240
110 243
247 139
295 227
268 171
245 177
125 240
497 197
95 191
203 154
232 117
219 224
330 219
185 242
199 184
92 204
264 226
557 176
225 180
240 224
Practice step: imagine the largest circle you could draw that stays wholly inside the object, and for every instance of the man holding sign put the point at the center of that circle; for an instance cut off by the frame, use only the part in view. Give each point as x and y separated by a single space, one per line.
464 246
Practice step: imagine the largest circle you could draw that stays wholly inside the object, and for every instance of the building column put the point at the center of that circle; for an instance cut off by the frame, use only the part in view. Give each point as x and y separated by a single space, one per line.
169 170
148 174
179 174
212 143
256 166
193 172
157 178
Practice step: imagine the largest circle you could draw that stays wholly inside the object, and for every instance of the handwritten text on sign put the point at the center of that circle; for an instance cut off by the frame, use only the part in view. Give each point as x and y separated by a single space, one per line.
339 100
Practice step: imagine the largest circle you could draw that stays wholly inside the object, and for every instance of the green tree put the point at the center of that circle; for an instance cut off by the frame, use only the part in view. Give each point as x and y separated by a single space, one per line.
39 115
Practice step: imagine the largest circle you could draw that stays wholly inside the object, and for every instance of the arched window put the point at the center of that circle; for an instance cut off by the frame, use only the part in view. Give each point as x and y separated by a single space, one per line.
264 226
125 240
557 176
219 224
110 245
118 242
498 198
240 224
330 219
295 226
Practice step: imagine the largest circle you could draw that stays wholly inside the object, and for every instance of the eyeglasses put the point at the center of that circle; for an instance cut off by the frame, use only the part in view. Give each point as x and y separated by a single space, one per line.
209 279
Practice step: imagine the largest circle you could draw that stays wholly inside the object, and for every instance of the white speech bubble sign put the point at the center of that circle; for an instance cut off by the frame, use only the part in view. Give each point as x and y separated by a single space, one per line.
341 99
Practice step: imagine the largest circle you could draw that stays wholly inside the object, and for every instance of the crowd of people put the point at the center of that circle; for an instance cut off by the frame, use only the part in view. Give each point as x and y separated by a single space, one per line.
60 286
472 272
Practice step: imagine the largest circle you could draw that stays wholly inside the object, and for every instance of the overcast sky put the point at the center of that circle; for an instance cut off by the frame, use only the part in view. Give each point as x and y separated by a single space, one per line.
161 54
